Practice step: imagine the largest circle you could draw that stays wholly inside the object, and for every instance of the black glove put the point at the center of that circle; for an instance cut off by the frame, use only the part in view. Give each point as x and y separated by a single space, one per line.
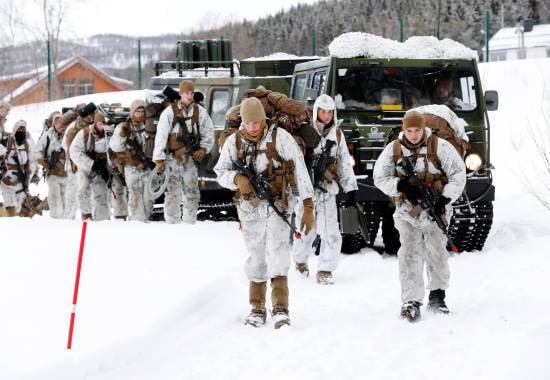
411 192
100 167
350 200
439 207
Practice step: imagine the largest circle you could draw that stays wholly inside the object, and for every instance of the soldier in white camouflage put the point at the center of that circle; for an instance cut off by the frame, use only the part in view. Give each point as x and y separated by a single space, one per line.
51 156
338 170
439 166
185 134
89 153
128 142
274 153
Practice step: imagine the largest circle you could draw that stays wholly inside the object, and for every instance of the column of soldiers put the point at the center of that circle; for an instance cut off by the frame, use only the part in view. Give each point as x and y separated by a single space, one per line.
76 150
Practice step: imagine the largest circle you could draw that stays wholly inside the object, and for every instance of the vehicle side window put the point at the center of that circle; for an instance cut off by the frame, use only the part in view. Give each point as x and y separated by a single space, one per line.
219 102
318 83
299 87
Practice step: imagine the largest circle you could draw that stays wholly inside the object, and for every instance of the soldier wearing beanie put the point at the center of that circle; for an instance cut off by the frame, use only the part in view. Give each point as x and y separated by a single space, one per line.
128 143
440 167
88 151
185 134
52 157
264 148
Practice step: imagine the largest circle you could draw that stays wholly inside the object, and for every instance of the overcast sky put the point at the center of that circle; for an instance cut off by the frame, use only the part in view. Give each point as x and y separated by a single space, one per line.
153 17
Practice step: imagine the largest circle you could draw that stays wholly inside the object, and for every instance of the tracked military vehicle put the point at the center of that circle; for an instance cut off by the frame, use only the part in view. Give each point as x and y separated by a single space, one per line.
373 86
223 81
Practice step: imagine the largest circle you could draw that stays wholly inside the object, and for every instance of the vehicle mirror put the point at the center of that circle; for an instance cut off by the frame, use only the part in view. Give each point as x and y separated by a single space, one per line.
528 25
491 100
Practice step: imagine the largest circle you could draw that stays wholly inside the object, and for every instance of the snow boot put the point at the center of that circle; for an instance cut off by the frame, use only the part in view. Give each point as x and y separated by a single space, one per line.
86 216
256 295
411 311
302 269
325 278
279 300
436 302
10 211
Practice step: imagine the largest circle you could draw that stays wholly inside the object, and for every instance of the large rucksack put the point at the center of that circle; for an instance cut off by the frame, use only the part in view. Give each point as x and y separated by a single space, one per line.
291 115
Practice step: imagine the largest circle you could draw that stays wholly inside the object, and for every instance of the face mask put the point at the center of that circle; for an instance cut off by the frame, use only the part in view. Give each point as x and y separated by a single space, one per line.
20 137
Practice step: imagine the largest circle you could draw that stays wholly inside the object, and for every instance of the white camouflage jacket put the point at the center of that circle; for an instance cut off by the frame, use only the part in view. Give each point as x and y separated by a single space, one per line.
385 176
78 150
346 176
55 144
286 147
118 143
164 129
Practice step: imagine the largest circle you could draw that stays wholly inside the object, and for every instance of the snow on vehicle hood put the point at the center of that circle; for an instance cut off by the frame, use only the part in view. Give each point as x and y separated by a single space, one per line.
359 44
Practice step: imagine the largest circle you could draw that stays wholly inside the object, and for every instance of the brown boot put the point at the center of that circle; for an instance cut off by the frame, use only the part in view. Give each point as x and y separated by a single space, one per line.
86 216
10 211
256 295
325 278
279 301
120 218
302 269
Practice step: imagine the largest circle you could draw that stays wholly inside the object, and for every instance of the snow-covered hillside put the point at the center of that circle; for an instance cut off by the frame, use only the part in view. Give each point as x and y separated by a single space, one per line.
161 301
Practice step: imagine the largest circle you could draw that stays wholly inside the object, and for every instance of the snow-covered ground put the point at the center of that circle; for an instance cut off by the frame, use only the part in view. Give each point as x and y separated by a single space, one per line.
161 301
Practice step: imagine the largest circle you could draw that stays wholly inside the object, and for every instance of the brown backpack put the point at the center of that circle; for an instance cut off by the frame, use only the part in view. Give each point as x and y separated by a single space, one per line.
442 129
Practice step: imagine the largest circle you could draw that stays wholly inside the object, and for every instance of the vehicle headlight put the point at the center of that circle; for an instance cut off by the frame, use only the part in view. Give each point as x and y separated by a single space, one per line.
473 161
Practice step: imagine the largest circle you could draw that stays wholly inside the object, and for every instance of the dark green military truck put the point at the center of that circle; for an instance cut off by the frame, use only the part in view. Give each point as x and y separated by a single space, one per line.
372 95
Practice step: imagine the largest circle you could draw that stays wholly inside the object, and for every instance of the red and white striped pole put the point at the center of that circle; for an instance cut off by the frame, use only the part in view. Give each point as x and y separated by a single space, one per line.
76 283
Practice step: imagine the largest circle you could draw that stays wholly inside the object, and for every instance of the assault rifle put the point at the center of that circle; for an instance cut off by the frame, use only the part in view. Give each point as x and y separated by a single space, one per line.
428 198
320 166
21 174
261 189
135 145
100 167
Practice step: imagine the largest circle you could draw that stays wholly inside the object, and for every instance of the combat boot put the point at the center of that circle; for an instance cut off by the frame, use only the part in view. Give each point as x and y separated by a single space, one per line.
279 301
303 269
10 211
325 278
86 216
256 295
411 311
436 302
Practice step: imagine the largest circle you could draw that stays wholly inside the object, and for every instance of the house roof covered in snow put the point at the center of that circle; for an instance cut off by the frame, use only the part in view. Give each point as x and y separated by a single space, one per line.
508 38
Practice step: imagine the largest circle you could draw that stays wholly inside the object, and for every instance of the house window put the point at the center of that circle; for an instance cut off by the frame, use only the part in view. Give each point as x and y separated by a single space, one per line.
85 86
68 87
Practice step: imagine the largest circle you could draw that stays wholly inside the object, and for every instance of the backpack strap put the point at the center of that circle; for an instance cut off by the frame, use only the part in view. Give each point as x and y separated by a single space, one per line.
432 151
338 135
397 152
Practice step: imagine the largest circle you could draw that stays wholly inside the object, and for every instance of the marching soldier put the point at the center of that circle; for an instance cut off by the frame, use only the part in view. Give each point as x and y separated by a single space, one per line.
128 142
51 156
274 153
185 134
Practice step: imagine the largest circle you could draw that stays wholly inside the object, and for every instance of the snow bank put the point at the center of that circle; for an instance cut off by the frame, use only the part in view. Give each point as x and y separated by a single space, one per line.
359 44
278 56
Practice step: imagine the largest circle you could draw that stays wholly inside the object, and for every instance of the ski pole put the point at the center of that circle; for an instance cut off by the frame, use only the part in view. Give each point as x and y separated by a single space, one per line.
76 283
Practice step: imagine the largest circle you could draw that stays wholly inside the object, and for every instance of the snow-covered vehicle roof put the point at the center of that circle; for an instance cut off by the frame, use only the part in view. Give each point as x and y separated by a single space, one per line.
359 44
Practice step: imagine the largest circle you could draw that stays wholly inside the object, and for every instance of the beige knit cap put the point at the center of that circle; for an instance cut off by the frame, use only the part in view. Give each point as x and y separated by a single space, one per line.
186 86
252 111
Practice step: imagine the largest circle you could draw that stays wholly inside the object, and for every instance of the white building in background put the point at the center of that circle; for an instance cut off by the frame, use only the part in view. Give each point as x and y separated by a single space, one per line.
507 42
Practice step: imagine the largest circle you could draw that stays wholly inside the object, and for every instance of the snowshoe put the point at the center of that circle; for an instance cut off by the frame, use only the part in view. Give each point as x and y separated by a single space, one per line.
281 318
411 311
436 302
302 269
256 318
325 278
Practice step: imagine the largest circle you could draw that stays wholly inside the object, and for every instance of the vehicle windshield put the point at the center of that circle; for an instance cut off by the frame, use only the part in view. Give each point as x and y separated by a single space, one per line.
399 89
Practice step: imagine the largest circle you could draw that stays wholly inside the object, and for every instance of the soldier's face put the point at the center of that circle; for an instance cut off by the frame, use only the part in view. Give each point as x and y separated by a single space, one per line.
441 91
253 128
325 116
58 126
414 134
139 115
187 98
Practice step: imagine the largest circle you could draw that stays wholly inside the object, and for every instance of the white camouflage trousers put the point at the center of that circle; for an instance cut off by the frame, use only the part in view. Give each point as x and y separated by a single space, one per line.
182 190
13 195
140 202
326 226
267 241
56 196
119 198
93 196
419 246
71 190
